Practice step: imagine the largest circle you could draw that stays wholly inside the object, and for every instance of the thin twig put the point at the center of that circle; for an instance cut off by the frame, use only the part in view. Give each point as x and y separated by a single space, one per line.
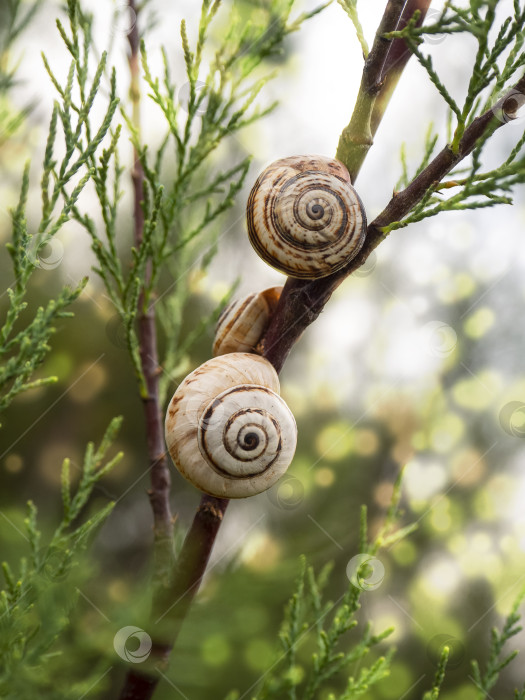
138 686
159 468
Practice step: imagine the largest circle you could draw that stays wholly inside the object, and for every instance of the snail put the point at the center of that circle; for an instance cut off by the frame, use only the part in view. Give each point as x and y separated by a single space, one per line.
243 322
304 217
227 429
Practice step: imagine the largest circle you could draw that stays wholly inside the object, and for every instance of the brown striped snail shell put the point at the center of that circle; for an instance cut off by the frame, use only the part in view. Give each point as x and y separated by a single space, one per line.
243 322
227 429
304 217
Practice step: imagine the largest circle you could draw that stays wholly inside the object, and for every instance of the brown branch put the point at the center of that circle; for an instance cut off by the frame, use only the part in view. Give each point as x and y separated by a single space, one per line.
137 685
381 72
171 606
395 62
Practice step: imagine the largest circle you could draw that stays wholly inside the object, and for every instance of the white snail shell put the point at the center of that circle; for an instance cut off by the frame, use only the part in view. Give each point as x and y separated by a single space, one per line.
227 429
304 217
243 322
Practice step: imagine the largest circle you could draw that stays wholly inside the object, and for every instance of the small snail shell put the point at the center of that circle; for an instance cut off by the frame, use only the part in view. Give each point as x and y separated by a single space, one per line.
243 322
227 429
304 217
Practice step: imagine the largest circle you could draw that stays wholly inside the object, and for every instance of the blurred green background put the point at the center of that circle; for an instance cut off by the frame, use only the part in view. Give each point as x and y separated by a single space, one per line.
417 361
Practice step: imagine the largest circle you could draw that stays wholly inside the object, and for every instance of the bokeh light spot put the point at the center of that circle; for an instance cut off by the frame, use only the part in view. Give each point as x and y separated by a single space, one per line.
50 460
383 493
366 442
440 577
440 517
397 683
13 463
476 393
90 381
261 552
335 441
423 479
479 323
295 674
324 477
404 553
60 364
118 590
215 650
447 431
259 654
467 467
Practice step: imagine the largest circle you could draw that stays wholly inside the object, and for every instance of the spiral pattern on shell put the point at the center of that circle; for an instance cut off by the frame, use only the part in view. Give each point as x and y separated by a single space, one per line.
227 429
243 322
304 217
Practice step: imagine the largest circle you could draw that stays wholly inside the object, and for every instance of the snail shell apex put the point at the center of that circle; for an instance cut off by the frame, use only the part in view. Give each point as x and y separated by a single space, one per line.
227 429
304 217
243 322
